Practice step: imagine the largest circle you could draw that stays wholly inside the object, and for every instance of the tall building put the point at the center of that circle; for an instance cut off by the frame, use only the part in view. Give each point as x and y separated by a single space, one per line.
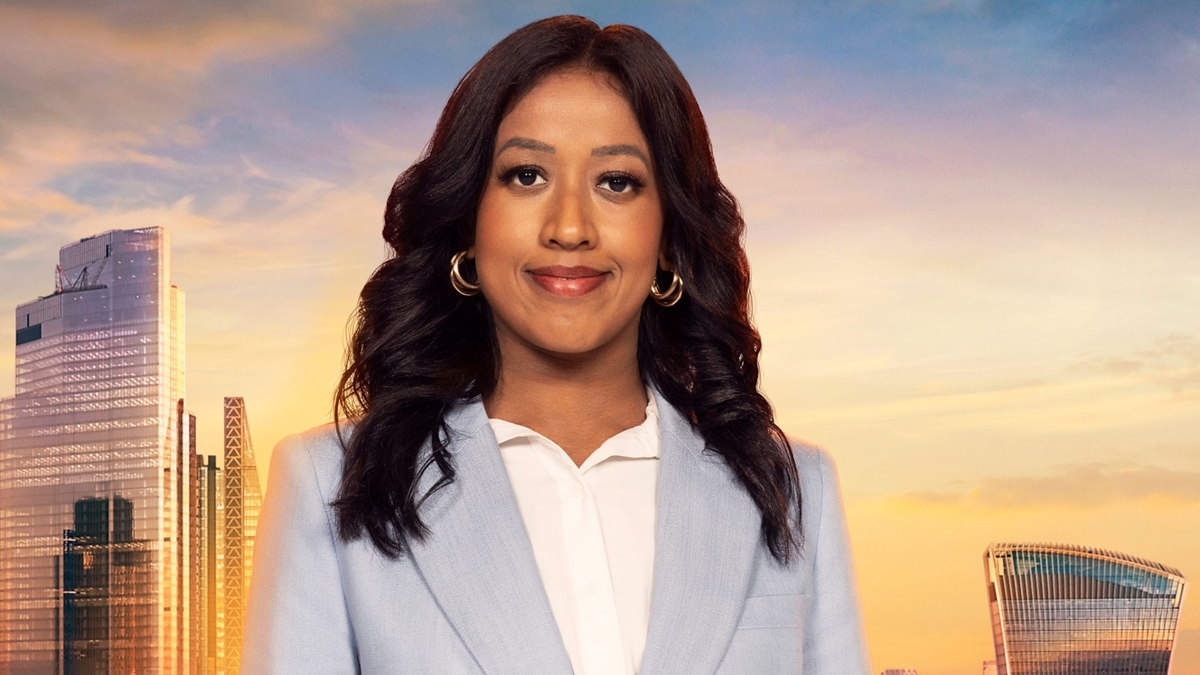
243 499
122 549
228 502
94 468
195 555
1075 610
210 577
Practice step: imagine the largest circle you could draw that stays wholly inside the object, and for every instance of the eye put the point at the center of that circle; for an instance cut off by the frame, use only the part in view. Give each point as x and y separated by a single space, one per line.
621 183
525 176
528 177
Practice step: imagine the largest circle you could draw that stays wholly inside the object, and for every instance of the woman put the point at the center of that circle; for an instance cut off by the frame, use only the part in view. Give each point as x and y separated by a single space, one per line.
556 458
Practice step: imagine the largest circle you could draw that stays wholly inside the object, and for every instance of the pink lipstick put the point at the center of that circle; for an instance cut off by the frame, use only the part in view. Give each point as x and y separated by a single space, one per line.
568 282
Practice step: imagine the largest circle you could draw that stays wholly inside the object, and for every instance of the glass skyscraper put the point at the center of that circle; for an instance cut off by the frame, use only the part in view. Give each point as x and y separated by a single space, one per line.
1075 610
94 468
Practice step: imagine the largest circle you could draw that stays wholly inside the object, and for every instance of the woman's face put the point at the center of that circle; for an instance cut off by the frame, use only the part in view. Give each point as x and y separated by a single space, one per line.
569 227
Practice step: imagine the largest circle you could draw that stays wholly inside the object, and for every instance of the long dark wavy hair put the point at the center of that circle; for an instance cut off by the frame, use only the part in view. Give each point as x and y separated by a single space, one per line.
418 347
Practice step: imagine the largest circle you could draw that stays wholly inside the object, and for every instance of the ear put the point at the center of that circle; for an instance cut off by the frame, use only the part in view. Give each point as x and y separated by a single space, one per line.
471 252
662 260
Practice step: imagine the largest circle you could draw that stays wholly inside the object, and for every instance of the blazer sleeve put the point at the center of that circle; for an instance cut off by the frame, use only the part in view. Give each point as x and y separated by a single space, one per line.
297 622
833 642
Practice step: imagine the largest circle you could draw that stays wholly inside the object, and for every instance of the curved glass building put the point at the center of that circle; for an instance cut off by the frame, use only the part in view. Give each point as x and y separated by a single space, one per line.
1076 610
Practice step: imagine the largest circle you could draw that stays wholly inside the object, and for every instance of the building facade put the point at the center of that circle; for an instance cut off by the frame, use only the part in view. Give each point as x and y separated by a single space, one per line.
242 499
105 572
94 484
122 548
1075 610
210 577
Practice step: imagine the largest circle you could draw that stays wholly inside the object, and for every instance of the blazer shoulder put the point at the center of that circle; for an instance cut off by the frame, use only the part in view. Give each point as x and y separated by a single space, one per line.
297 618
833 640
814 463
314 452
810 455
820 490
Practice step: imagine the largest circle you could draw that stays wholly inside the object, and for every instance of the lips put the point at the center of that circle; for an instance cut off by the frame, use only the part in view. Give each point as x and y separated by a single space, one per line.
568 282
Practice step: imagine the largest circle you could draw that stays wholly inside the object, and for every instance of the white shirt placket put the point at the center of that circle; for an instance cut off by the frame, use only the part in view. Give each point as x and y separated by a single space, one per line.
566 508
601 651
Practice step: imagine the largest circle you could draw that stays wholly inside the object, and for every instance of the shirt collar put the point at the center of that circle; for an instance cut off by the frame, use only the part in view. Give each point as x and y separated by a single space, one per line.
636 442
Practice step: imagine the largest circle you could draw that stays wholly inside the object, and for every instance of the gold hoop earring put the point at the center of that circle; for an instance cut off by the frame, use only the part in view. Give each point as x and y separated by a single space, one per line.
460 284
673 293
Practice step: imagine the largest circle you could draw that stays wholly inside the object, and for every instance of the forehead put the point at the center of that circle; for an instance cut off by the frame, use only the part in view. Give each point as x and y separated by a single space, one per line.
573 105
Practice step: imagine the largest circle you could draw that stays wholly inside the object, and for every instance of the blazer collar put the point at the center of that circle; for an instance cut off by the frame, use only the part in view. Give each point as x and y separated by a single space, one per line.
479 564
477 559
705 544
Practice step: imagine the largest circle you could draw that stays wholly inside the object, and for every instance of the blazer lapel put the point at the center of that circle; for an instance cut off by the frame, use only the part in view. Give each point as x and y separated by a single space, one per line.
478 561
707 536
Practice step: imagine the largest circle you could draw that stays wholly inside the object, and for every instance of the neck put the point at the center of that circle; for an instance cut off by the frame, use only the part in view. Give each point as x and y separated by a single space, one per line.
577 400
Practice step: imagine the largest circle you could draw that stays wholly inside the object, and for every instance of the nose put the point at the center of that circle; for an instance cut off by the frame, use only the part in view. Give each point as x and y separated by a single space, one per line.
569 220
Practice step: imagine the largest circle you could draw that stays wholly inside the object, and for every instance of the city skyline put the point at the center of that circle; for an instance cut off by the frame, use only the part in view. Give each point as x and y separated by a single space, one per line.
971 227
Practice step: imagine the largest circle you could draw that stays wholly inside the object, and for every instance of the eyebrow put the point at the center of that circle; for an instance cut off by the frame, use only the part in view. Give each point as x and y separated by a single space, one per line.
526 143
624 149
602 151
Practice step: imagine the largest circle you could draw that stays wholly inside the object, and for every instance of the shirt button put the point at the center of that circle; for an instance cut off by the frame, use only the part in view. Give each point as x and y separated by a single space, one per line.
590 589
575 491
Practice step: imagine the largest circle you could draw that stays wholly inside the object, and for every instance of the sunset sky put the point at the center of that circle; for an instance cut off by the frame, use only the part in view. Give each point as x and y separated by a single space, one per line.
974 230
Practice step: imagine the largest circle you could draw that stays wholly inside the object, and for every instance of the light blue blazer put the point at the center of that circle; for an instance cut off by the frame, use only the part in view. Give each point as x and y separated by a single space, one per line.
469 600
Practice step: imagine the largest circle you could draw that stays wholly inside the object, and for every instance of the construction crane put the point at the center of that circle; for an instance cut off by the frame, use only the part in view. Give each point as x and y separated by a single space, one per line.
83 282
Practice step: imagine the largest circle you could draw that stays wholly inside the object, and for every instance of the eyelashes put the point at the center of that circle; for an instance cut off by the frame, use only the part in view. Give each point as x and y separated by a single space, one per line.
506 176
632 183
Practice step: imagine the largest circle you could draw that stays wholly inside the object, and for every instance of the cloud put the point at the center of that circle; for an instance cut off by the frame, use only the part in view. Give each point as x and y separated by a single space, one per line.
151 15
1172 361
128 84
89 70
1083 486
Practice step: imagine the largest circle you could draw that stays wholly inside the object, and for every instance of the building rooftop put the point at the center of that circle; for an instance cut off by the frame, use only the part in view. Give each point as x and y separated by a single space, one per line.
1087 551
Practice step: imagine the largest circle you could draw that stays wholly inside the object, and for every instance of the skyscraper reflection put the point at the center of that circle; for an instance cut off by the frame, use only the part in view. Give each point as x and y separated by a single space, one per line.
106 573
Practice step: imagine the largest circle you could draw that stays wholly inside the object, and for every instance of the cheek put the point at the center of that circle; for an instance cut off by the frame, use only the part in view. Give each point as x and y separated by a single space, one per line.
497 239
641 243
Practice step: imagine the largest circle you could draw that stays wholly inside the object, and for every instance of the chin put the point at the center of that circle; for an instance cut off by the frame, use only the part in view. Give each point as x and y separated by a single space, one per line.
568 349
573 343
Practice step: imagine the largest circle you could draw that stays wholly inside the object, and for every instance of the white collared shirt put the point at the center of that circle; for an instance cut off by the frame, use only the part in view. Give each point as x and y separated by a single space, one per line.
592 529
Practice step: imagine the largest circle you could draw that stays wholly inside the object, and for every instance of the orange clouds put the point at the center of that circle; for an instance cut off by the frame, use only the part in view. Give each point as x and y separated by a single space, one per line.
1087 486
